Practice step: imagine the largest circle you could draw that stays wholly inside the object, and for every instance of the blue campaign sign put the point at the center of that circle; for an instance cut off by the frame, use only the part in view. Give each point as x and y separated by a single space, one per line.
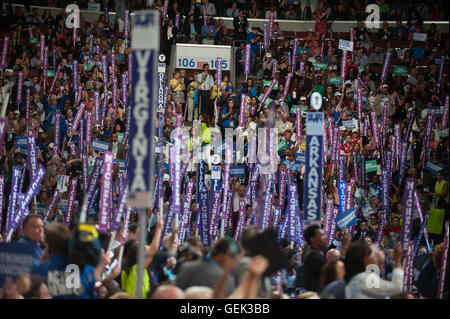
41 208
98 145
314 166
21 142
144 85
161 81
238 171
300 158
122 164
345 45
16 259
347 219
433 168
348 123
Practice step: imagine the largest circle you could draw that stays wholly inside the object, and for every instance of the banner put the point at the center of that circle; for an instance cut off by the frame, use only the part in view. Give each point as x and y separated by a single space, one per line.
341 190
71 199
176 195
298 124
219 72
443 263
287 84
2 190
4 52
268 91
243 111
105 76
78 117
387 60
247 59
347 219
268 200
375 133
106 187
119 211
328 217
241 221
407 218
400 70
408 266
343 65
19 87
16 259
271 22
314 166
282 189
345 45
444 117
186 209
58 69
203 211
266 35
422 231
45 69
380 229
214 214
145 50
359 105
341 168
294 53
93 181
333 226
51 204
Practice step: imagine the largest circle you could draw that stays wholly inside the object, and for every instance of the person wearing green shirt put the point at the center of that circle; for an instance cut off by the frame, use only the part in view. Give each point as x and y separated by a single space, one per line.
129 275
319 87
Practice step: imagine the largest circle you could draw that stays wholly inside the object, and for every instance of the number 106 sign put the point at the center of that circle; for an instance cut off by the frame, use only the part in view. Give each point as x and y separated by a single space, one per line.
197 63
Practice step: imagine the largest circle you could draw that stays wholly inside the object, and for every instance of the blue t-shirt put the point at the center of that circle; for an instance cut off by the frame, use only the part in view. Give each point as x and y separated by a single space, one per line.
228 123
37 251
62 281
254 46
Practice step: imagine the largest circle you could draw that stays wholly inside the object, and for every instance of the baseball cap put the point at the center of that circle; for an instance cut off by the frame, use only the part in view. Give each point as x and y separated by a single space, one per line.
385 86
268 55
337 94
16 112
303 98
348 82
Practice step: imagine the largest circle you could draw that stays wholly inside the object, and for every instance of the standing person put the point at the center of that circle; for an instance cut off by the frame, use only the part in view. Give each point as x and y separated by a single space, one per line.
240 25
322 15
251 38
439 208
312 267
206 82
358 257
33 235
168 38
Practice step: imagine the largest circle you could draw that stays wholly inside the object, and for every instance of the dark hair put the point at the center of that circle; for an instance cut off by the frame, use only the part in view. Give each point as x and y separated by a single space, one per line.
248 234
36 282
130 255
354 259
28 218
328 273
223 245
57 236
311 232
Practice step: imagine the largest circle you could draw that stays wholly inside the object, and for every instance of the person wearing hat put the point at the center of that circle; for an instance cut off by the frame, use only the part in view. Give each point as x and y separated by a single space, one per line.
381 99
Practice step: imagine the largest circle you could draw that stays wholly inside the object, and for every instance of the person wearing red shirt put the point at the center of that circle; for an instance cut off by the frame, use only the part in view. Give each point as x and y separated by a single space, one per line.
347 147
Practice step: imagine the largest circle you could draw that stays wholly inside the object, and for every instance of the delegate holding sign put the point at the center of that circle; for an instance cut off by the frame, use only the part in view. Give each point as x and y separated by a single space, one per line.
145 51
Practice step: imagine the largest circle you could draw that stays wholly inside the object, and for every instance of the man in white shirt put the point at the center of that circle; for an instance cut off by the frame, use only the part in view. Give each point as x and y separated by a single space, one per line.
206 83
208 8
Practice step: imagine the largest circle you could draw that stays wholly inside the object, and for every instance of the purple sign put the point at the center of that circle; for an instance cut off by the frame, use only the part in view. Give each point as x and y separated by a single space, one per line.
214 214
19 87
444 120
4 52
385 66
407 219
268 91
219 72
266 36
41 47
343 65
247 59
115 103
294 53
58 69
241 221
243 111
93 181
115 225
359 105
105 70
51 205
268 200
2 189
106 187
32 154
126 26
288 83
375 134
78 117
45 70
443 263
271 22
70 202
282 189
408 266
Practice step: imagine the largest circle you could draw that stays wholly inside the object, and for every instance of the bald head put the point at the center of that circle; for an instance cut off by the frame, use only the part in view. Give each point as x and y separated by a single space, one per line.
333 254
197 292
168 292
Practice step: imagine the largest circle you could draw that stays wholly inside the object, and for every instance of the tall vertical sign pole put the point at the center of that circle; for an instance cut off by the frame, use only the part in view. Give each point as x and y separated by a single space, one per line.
145 50
314 164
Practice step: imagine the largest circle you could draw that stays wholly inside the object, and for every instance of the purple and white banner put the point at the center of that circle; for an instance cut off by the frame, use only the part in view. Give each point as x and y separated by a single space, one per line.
41 47
287 84
375 133
429 127
126 27
397 144
359 105
419 210
106 187
19 87
247 58
219 72
241 221
130 66
342 185
268 201
298 124
13 197
381 223
3 123
74 35
214 214
329 217
58 69
32 154
266 35
85 170
115 84
385 186
78 117
204 218
325 142
408 267
88 117
93 181
51 205
97 116
294 53
75 76
343 66
57 135
282 189
302 66
355 167
444 260
408 201
268 91
341 168
5 52
70 202
441 70
444 116
121 207
27 102
113 65
45 69
124 90
271 22
105 70
404 150
243 111
385 66
2 190
165 9
352 34
176 195
177 21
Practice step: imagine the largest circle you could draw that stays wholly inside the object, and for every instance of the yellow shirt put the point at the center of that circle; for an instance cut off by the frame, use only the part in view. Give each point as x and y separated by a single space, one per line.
178 85
129 282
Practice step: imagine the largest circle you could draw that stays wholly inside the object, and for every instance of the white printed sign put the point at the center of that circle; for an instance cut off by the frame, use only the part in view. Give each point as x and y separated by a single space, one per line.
190 56
346 45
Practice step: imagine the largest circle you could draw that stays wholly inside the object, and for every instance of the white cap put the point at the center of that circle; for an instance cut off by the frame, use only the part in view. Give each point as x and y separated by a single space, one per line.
337 94
347 82
385 86
303 98
268 55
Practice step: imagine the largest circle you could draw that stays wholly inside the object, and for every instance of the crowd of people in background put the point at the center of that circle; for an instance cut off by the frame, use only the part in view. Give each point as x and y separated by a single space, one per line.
323 267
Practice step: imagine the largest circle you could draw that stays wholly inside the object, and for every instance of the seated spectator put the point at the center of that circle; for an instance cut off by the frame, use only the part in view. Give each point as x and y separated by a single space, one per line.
208 32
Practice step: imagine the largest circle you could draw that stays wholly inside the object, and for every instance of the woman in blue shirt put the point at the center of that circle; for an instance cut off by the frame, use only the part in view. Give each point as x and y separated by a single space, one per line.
228 115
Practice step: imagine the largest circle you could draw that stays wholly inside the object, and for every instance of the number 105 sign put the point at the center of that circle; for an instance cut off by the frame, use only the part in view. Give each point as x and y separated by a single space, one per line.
194 57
